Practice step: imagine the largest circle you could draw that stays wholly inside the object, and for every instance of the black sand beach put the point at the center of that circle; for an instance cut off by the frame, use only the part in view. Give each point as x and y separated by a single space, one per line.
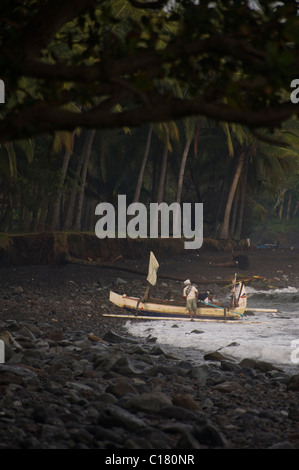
73 379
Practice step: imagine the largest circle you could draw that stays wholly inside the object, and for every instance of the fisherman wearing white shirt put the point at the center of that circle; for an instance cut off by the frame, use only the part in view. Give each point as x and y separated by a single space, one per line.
190 294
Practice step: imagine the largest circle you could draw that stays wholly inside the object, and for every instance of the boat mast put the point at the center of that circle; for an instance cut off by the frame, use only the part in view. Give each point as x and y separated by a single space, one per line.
234 303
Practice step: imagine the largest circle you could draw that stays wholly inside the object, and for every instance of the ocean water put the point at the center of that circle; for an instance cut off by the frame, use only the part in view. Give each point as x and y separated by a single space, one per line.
271 337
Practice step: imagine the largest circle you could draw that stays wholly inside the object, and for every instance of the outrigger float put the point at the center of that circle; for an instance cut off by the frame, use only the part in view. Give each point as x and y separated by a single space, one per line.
157 309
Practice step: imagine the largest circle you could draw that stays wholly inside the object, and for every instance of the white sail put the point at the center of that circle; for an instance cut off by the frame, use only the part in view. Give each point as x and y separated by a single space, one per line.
152 269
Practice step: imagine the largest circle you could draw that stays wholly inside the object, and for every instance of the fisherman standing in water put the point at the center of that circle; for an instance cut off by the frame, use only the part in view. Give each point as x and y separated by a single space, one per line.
190 294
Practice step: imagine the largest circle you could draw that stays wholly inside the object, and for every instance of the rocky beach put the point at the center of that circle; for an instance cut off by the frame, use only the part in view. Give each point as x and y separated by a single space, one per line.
73 379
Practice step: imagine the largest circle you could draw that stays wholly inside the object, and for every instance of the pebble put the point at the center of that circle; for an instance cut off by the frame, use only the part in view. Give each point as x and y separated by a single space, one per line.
110 391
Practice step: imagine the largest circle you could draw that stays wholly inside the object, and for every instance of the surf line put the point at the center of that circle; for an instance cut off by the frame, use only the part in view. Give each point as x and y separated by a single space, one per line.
183 221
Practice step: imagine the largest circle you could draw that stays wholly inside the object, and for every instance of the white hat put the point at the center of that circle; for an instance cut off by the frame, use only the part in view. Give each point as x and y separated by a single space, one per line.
187 282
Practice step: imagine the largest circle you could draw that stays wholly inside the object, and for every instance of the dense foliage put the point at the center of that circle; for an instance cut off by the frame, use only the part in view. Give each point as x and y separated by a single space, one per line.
148 99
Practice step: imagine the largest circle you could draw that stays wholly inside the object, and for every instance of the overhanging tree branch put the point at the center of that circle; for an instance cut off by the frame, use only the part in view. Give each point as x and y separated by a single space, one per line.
39 30
131 62
217 45
148 4
46 119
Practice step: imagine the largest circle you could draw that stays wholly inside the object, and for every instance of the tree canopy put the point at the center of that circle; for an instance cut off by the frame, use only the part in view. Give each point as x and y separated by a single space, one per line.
83 63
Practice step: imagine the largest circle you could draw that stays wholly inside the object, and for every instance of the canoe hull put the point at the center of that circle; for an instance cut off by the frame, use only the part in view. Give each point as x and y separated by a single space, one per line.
156 309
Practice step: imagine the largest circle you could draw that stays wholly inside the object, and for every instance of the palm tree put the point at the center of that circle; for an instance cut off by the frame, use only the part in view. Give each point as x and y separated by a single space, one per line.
239 134
62 139
190 125
9 174
86 153
224 231
272 159
170 132
143 164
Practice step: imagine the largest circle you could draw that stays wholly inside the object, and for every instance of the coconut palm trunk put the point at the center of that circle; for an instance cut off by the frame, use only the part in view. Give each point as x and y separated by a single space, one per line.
55 222
182 170
161 185
238 231
144 160
87 152
224 231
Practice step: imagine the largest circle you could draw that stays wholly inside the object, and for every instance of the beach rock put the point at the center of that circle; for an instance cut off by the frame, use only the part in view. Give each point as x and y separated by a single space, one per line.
179 414
185 401
158 439
293 412
115 416
215 356
200 373
293 383
137 443
67 390
188 441
18 290
230 366
121 387
124 366
229 387
151 339
158 350
21 371
209 435
278 377
262 366
166 370
283 445
119 281
150 402
112 337
9 340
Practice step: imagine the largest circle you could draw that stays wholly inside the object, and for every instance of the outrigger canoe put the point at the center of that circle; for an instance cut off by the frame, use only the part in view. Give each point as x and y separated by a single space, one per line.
145 308
156 309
